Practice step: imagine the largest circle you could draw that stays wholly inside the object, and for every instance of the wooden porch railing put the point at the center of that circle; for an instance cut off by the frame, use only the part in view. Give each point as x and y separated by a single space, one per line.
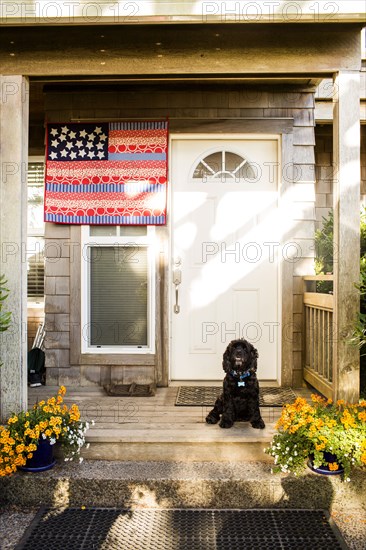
318 337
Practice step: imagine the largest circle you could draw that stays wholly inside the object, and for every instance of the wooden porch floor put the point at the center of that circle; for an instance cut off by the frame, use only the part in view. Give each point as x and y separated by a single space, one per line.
153 428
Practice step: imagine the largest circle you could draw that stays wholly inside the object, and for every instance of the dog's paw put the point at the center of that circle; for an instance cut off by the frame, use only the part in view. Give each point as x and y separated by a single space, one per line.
226 423
212 419
259 424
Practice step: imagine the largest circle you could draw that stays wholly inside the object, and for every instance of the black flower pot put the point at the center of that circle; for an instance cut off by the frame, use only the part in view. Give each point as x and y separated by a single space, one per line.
42 458
329 458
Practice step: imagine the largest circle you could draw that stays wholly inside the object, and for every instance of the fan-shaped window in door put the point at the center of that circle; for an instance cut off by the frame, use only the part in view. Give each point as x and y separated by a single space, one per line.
224 166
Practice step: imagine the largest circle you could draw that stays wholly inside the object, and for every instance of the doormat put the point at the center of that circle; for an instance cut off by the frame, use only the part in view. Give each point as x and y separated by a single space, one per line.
131 390
149 529
205 396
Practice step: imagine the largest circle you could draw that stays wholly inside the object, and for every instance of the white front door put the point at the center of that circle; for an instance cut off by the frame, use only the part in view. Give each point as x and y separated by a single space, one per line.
225 248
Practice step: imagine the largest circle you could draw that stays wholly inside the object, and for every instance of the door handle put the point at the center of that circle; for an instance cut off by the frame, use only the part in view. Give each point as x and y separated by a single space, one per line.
177 279
177 276
176 305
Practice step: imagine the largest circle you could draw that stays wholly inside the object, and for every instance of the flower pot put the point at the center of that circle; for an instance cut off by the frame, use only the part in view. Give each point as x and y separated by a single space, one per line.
42 458
325 470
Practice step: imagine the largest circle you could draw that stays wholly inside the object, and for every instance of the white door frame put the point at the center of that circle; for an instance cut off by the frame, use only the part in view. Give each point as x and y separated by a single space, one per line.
215 137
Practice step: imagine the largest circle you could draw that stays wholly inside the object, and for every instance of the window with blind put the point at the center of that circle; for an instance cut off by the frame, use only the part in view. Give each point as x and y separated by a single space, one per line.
35 230
118 301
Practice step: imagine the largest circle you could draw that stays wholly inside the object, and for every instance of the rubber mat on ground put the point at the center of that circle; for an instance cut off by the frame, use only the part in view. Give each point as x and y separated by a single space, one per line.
146 529
190 396
131 390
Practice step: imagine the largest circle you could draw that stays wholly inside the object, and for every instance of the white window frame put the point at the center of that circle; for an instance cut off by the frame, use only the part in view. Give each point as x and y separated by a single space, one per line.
37 233
88 241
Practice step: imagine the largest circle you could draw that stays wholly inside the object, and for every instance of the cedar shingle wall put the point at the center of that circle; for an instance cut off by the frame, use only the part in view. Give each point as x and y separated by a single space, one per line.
324 171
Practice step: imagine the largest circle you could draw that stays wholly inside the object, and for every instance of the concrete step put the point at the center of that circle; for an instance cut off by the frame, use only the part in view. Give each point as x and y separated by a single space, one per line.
163 484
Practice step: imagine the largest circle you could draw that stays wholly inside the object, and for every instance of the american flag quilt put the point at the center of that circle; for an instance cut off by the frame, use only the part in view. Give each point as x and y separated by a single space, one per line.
106 174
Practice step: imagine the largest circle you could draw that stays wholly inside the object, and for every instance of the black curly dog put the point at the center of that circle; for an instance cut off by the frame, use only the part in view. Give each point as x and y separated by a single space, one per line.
240 397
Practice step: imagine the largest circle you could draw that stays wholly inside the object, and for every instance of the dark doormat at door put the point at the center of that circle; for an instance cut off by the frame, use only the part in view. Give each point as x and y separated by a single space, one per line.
191 396
149 529
131 390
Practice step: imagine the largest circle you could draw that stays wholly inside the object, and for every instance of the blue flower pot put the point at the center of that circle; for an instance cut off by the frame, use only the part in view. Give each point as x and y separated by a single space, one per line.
42 458
329 458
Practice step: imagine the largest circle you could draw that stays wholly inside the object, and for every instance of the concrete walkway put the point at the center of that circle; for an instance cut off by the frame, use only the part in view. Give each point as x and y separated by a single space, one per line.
239 485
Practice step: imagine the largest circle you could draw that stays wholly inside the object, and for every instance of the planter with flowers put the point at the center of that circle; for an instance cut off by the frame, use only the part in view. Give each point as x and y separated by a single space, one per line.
313 432
28 432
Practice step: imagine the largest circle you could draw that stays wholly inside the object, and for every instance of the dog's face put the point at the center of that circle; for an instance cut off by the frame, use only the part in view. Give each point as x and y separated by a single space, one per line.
240 356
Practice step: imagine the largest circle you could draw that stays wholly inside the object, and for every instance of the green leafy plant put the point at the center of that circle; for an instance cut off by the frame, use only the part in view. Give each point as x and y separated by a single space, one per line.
5 316
306 430
324 260
324 246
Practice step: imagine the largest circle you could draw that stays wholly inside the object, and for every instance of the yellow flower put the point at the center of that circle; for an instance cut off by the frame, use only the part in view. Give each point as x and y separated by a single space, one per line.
347 420
333 466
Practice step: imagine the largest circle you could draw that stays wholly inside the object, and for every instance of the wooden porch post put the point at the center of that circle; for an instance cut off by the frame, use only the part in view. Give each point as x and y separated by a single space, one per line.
14 105
346 204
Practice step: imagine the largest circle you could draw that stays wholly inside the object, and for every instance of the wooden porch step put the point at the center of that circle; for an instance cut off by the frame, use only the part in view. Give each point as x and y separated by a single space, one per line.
153 428
195 443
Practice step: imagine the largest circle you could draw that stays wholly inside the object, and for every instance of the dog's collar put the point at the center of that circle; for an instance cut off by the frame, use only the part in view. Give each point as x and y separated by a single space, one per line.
240 382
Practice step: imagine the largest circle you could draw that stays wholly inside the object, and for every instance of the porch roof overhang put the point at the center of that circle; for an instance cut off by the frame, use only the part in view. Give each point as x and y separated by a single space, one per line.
191 52
28 12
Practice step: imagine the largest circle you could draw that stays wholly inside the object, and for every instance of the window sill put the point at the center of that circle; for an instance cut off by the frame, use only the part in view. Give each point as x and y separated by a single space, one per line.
109 359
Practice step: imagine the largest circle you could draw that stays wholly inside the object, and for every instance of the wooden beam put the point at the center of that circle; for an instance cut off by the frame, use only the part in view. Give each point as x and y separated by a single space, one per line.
200 50
322 301
346 204
14 106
